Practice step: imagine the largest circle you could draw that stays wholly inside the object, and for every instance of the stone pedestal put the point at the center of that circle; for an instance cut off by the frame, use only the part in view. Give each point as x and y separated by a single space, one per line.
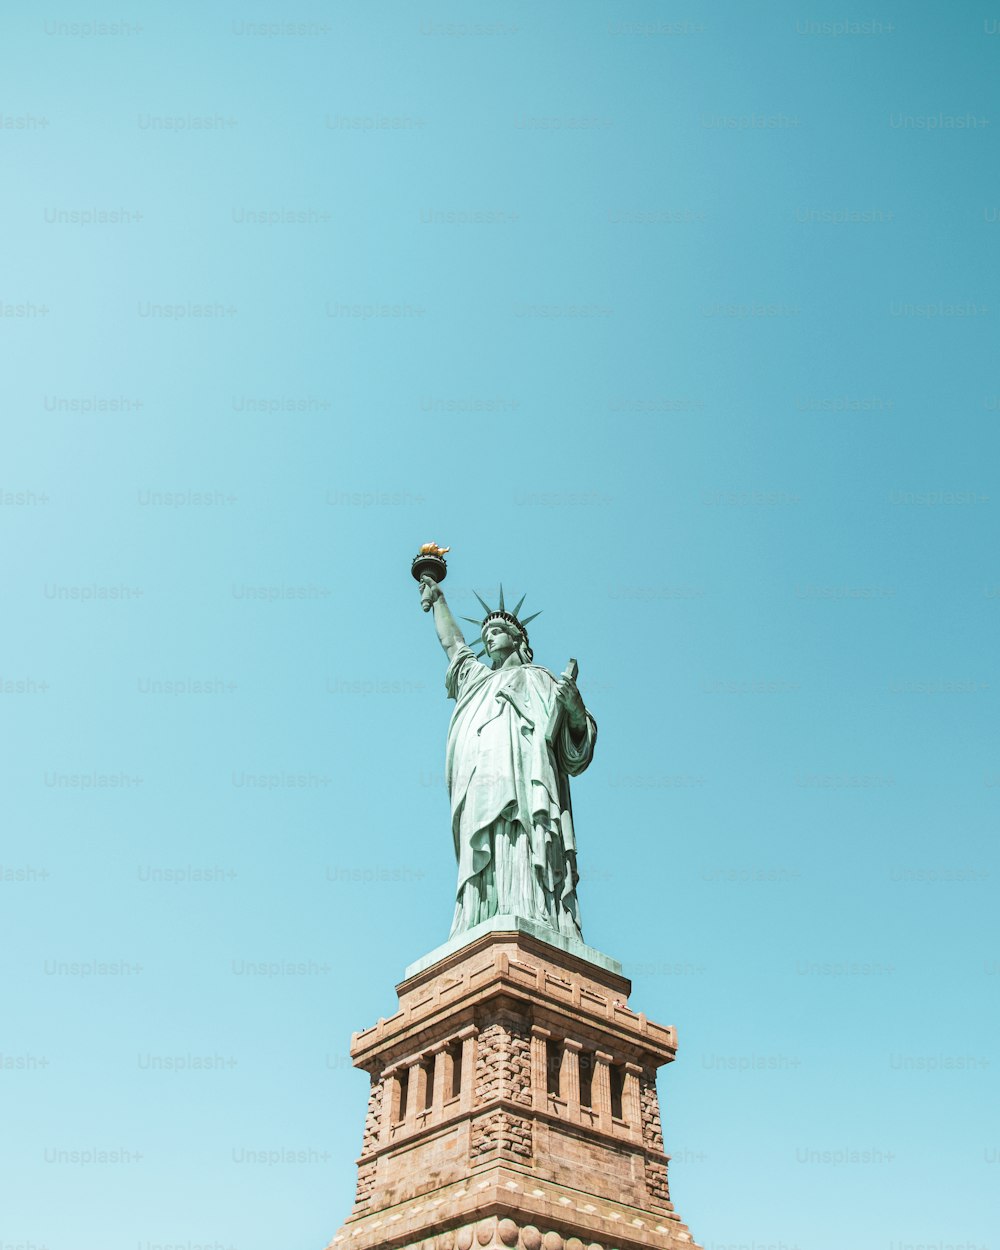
513 1103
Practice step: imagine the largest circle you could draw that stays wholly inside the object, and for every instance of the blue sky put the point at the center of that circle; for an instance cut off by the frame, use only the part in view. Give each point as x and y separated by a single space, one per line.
680 319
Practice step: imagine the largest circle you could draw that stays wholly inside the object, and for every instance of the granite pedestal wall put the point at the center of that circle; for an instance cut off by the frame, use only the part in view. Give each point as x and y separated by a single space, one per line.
513 1103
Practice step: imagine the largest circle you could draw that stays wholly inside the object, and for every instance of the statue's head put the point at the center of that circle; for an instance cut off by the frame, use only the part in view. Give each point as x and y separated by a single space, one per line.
503 636
503 633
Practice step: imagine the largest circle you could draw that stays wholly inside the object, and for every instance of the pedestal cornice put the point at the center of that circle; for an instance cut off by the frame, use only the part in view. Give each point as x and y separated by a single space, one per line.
521 965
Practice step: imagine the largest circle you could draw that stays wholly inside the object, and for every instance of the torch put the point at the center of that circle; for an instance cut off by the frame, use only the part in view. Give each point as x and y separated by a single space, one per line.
430 562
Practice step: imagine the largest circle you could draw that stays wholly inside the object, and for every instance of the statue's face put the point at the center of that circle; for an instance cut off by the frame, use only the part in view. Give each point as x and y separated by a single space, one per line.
499 643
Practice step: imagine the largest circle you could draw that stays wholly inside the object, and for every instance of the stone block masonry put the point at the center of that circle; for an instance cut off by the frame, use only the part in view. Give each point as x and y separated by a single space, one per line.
513 1102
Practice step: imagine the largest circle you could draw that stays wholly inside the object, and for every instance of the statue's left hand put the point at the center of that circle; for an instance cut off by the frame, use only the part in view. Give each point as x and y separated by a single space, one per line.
569 699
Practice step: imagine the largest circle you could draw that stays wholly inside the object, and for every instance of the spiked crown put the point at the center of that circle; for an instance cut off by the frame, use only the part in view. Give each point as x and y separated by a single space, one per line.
500 613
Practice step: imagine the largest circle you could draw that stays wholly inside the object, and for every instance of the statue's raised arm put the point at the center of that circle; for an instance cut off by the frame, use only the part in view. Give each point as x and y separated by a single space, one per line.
448 630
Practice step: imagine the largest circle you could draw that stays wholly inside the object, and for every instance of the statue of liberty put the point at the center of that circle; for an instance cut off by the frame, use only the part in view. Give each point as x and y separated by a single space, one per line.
517 735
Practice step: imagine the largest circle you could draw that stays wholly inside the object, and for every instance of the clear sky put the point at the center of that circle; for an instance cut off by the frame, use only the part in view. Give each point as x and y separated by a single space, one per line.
680 318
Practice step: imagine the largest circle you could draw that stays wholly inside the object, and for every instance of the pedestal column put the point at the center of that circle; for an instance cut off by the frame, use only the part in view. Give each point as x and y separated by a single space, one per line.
602 1090
631 1107
569 1079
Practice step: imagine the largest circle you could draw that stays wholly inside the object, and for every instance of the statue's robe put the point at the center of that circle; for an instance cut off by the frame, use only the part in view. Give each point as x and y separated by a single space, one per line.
509 785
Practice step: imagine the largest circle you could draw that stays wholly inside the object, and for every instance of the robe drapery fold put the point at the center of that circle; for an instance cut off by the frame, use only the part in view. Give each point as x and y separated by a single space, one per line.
509 785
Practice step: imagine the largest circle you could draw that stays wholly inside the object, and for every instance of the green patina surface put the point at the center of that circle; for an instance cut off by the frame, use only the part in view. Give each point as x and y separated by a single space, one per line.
517 735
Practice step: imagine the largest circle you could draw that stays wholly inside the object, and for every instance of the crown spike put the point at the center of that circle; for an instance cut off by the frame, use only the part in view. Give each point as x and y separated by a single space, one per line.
518 608
501 598
482 601
528 619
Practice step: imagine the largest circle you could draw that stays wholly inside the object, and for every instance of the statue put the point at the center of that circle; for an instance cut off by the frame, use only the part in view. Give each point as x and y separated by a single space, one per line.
517 735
